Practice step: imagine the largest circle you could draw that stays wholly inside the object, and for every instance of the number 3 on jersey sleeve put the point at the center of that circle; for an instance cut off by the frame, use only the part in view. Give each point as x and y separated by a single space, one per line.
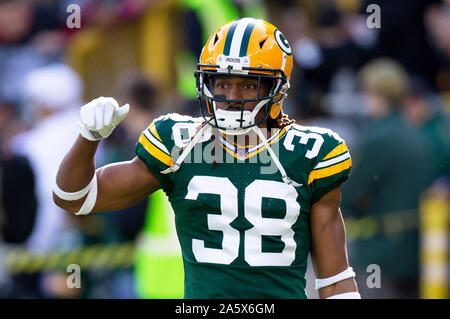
304 138
254 193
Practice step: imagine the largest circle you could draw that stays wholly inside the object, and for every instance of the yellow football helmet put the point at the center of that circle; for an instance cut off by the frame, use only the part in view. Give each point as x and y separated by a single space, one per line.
244 47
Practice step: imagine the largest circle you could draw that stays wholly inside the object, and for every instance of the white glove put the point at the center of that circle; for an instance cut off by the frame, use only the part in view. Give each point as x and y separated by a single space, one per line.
100 116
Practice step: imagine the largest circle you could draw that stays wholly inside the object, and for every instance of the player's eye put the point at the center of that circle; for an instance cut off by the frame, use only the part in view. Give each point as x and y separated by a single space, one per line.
220 85
250 86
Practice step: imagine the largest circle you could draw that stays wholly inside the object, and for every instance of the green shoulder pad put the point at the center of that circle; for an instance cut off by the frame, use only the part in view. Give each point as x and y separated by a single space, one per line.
163 139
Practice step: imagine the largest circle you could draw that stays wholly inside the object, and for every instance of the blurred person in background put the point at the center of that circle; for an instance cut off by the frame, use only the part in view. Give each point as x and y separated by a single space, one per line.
17 205
392 166
52 96
423 108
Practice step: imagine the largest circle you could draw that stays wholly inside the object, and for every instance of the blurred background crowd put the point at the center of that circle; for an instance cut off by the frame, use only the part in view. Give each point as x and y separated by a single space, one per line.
385 90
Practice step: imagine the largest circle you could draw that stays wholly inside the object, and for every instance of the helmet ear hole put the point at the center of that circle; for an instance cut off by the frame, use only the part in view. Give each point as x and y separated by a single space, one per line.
261 44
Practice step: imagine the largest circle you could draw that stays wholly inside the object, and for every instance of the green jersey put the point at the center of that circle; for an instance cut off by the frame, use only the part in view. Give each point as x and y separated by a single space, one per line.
244 233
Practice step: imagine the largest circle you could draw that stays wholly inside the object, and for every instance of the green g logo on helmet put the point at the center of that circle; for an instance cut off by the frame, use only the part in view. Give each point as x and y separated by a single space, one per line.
282 42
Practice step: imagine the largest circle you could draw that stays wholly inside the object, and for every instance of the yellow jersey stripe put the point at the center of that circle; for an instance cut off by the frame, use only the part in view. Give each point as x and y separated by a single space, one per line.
155 142
329 171
333 161
152 129
274 137
338 150
259 149
155 152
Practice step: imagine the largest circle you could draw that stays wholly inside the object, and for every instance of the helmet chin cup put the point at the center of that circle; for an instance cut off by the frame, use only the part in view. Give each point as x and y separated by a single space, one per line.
231 120
238 122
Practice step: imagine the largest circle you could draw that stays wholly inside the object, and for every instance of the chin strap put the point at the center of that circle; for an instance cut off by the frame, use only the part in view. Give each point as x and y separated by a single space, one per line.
284 176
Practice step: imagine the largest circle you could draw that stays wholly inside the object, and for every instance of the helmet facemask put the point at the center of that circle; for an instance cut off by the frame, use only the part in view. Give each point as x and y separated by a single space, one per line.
236 122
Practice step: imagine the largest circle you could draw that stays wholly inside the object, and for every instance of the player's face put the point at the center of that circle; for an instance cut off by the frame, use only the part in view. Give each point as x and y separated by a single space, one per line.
238 88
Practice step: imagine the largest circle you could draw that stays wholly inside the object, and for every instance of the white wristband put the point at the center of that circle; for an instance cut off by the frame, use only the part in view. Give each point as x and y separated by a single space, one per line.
346 295
347 273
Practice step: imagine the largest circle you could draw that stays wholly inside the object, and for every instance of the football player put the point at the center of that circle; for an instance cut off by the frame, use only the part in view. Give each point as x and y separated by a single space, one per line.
247 216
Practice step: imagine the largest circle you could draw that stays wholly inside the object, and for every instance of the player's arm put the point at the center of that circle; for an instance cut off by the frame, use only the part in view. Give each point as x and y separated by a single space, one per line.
119 185
79 187
329 251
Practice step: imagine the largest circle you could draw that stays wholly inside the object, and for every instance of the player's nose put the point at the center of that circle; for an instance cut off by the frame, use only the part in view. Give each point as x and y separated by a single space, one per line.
235 95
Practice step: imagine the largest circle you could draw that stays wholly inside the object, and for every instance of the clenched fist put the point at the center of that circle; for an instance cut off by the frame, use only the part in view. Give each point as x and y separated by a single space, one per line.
99 117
